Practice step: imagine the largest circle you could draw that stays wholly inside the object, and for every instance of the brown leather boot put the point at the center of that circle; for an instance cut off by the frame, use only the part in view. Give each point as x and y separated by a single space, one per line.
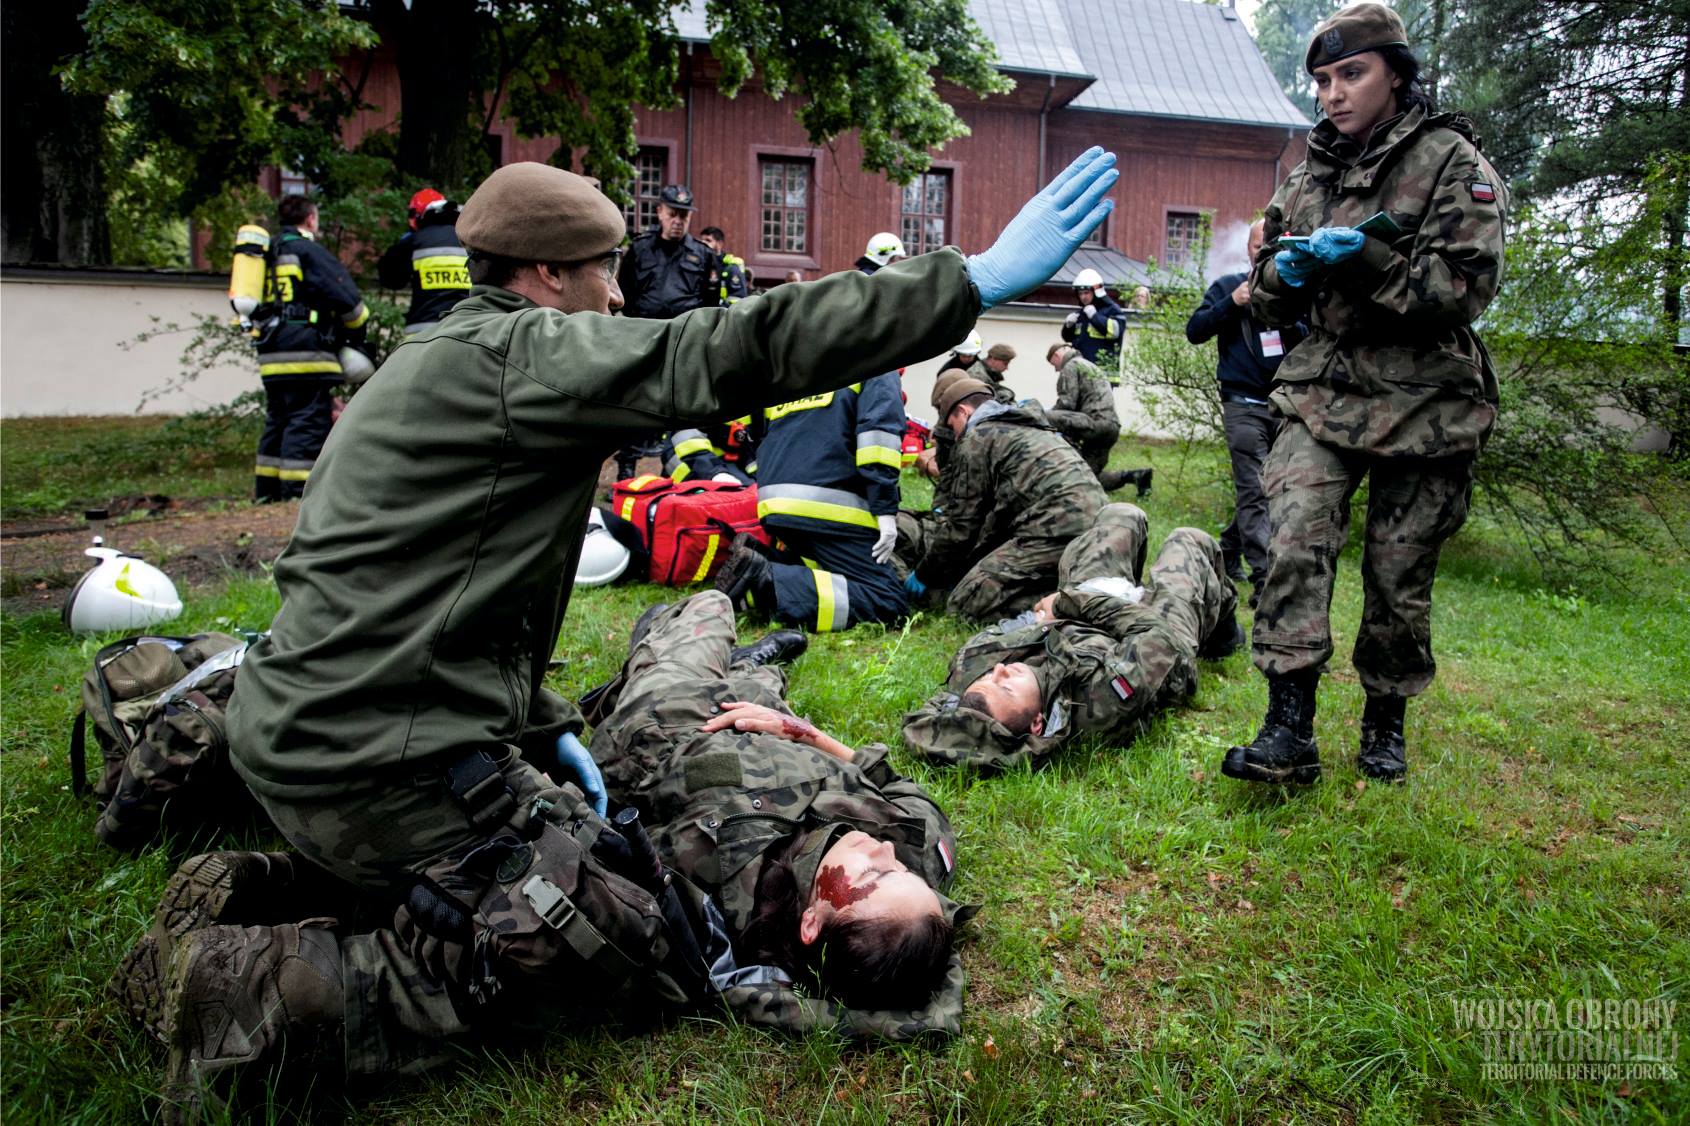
241 1002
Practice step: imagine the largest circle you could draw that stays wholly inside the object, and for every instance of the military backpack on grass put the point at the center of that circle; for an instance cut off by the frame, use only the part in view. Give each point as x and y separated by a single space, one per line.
157 709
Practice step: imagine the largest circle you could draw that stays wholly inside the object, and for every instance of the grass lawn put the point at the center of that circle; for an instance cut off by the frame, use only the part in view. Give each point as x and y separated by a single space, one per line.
1158 943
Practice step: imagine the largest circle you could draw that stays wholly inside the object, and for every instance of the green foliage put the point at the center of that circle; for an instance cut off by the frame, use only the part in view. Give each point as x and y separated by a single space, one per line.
1174 381
1283 31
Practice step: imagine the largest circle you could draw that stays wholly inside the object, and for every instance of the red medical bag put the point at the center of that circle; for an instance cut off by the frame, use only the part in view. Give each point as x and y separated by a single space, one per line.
688 527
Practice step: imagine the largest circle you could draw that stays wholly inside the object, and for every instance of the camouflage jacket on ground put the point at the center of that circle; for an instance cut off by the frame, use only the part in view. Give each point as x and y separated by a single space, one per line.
1103 665
1011 474
1391 365
1083 389
725 801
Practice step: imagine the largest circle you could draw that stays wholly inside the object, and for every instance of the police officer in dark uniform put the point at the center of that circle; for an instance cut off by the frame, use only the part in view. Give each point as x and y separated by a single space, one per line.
430 258
316 310
665 273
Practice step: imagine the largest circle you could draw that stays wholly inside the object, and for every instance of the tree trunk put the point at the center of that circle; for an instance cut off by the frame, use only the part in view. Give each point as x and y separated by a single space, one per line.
52 173
439 45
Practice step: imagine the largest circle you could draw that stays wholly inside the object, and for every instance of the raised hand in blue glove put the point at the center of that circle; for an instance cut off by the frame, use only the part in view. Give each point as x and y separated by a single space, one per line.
574 757
1047 230
1296 265
1334 244
915 586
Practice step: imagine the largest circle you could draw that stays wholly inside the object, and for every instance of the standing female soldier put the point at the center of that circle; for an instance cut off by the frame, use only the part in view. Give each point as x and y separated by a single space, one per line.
1391 382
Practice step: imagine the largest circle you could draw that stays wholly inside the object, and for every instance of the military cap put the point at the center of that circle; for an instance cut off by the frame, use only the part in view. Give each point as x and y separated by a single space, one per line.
678 197
1352 30
946 378
1000 352
956 391
537 213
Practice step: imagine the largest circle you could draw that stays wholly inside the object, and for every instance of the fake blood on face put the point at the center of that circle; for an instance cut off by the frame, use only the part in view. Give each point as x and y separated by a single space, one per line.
833 886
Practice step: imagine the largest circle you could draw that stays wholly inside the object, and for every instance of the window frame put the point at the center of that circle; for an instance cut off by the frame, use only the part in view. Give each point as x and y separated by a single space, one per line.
953 171
773 263
1168 212
647 147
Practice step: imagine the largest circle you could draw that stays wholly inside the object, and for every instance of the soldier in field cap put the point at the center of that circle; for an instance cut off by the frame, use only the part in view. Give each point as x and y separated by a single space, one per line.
392 719
1398 232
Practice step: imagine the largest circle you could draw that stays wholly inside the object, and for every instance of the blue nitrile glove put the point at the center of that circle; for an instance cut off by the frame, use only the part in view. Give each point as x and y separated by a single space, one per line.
572 755
914 586
1047 231
1334 244
1296 265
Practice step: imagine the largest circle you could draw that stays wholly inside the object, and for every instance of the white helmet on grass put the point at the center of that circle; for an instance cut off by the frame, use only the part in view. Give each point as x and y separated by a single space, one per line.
121 592
603 559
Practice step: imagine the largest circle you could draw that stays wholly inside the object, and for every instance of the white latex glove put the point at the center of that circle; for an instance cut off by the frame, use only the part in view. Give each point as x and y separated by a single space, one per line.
1071 319
726 478
882 549
1091 310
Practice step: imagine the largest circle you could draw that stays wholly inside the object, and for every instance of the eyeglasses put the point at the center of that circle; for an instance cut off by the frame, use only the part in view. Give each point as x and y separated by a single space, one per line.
611 264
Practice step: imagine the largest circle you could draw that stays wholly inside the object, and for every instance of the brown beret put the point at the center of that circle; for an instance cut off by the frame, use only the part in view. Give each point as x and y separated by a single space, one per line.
1352 30
946 378
537 213
1000 352
956 391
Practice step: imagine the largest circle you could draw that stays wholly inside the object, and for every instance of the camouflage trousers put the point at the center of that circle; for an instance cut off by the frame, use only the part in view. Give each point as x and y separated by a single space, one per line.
1005 581
1094 438
1413 506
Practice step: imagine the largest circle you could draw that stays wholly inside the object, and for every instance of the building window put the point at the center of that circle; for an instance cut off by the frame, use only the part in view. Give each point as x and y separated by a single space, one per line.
785 212
1184 232
651 167
293 183
1095 239
926 219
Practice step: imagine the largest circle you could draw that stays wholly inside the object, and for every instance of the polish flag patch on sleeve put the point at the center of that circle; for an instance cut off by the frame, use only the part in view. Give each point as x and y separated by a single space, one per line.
1122 688
1482 191
944 848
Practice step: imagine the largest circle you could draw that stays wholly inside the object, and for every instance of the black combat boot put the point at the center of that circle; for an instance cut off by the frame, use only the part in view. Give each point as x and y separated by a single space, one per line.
1234 566
1284 749
213 888
1226 640
1384 755
748 578
1112 479
241 1001
776 648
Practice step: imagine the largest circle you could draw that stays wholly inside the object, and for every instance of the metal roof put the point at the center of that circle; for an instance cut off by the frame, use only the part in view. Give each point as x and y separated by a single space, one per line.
1114 267
1175 58
1030 35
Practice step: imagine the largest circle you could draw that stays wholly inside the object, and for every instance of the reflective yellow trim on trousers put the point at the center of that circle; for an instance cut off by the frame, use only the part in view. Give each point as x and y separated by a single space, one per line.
301 367
266 471
815 510
879 455
695 446
827 607
709 557
293 474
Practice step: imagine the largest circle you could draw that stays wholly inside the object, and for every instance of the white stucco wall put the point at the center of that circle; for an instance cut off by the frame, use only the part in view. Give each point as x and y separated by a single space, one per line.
66 347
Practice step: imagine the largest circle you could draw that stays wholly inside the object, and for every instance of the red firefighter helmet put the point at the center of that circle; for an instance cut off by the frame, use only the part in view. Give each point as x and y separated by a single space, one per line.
420 203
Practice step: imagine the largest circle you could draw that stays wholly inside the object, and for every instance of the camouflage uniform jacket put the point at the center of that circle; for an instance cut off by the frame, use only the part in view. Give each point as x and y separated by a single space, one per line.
1391 366
1012 474
1082 388
426 581
1095 676
1001 391
724 802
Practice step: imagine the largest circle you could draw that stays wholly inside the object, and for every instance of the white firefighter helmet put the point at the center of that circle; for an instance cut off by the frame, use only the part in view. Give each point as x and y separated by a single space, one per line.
971 344
1088 279
602 559
355 367
121 592
885 247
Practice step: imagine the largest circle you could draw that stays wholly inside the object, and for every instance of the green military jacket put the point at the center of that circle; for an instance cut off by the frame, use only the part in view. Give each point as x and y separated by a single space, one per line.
1001 391
426 581
1391 365
1104 665
1011 474
722 802
1083 390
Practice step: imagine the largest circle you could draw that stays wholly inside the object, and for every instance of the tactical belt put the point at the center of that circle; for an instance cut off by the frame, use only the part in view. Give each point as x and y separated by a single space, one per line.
1235 397
478 786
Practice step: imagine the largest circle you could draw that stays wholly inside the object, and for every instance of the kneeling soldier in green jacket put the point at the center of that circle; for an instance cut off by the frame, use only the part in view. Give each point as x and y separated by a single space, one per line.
1100 656
386 722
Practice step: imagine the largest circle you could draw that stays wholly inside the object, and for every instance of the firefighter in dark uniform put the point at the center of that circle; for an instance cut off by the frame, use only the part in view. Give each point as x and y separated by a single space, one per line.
716 452
430 259
827 488
665 273
734 284
1097 327
317 310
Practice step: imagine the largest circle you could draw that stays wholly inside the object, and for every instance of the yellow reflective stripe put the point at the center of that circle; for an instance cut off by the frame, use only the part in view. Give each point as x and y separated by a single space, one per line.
301 367
357 316
628 509
826 606
808 403
262 470
293 474
681 472
694 446
709 556
879 455
442 271
646 481
815 510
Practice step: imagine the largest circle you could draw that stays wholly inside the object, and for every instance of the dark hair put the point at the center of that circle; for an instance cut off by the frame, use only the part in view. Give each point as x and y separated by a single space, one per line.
713 232
293 209
861 963
1017 724
973 400
1405 66
496 269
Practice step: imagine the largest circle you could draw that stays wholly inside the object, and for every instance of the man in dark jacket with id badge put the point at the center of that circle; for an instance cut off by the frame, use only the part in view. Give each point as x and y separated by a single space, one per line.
1249 354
